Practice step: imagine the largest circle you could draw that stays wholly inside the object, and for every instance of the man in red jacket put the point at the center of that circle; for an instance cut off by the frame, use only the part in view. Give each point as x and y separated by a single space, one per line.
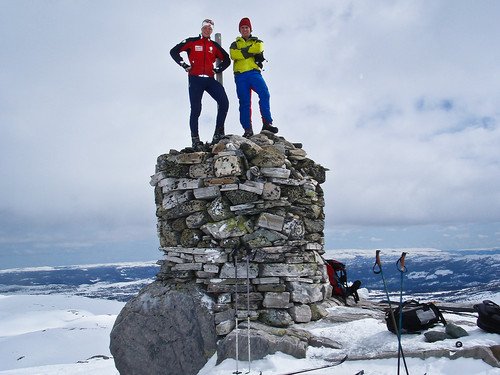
202 52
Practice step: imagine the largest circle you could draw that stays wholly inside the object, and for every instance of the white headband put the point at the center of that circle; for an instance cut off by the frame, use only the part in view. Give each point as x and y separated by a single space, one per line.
207 22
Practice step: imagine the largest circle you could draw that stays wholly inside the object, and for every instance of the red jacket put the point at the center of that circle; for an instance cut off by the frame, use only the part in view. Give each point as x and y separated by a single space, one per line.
202 53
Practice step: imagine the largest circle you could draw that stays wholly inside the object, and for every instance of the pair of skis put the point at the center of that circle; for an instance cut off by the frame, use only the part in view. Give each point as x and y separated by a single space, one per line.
235 255
377 269
336 363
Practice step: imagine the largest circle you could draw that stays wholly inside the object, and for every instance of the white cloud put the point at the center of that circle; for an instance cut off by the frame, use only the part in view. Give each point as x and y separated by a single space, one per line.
90 97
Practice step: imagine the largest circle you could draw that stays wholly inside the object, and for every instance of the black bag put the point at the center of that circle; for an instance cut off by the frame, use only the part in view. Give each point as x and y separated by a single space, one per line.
416 317
489 316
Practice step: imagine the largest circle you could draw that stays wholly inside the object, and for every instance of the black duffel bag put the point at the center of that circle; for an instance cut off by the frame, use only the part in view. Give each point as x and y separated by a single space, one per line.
416 317
489 316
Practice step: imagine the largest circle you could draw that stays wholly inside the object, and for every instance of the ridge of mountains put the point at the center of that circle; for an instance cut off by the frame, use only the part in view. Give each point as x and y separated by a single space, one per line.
451 276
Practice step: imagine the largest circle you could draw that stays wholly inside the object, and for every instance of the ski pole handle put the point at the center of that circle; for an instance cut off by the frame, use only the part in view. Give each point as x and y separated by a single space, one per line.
400 264
377 267
403 256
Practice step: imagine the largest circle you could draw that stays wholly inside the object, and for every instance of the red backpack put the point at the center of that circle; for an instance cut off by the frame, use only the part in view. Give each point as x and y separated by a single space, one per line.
338 278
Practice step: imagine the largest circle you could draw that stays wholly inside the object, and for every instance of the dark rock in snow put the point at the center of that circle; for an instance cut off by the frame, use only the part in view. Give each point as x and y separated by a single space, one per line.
455 331
433 336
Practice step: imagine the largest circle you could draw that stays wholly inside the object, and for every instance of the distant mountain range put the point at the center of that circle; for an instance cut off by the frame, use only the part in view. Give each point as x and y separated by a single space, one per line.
120 281
453 276
448 276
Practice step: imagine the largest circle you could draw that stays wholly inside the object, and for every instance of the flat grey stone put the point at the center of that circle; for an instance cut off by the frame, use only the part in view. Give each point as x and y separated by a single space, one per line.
271 191
301 313
174 198
270 221
269 157
275 172
170 184
304 292
276 318
291 270
231 227
209 192
252 187
219 209
276 300
229 165
228 271
263 342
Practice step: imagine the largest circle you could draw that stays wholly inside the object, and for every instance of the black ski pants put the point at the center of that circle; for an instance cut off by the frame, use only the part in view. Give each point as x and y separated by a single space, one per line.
197 86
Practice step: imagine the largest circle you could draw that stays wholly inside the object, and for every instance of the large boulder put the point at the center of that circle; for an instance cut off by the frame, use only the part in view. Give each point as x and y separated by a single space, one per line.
167 329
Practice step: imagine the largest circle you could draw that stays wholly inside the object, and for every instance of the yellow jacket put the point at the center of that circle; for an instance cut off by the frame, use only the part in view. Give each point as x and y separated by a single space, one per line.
243 53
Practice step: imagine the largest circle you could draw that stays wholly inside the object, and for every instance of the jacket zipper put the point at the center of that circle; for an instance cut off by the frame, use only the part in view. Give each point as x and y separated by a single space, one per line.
204 54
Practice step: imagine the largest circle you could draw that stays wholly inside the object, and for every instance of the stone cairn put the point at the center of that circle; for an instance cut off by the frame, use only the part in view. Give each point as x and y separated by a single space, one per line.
258 198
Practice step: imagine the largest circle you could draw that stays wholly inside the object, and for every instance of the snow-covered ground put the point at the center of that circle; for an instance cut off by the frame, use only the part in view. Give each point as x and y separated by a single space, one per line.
60 334
51 334
282 364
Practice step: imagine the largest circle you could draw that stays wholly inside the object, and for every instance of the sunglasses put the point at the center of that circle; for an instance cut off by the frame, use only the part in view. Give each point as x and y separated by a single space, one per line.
208 22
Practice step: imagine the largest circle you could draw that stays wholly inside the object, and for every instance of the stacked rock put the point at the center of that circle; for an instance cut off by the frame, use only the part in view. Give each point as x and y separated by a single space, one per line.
245 210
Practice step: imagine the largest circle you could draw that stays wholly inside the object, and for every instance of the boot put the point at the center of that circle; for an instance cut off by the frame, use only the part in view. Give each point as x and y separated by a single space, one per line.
269 127
353 290
196 142
218 135
248 133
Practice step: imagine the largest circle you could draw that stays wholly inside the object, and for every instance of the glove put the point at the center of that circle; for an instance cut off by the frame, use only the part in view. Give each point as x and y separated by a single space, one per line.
186 67
217 70
259 60
245 53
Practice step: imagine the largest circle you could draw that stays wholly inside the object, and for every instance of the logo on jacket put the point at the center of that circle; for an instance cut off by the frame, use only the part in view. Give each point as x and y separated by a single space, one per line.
211 49
198 48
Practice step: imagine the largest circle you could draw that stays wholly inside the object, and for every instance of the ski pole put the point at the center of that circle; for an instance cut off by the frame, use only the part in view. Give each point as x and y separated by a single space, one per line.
377 269
381 272
235 255
400 264
248 308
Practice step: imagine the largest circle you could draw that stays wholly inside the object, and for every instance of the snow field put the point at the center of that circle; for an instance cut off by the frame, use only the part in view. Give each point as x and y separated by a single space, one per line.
59 335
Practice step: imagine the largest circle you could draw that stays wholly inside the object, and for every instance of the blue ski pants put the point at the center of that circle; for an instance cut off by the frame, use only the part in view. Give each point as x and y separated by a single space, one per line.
197 86
245 83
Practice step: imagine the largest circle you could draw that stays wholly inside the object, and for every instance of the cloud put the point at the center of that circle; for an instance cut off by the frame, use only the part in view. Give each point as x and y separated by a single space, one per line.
399 99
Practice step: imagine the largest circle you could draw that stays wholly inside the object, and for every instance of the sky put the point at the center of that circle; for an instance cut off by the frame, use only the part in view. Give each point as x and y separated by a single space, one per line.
398 99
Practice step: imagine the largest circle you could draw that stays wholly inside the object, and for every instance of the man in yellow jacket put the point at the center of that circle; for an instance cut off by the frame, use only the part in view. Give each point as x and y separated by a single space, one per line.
247 53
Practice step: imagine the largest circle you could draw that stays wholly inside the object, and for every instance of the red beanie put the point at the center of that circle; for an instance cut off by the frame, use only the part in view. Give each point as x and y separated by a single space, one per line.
245 22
